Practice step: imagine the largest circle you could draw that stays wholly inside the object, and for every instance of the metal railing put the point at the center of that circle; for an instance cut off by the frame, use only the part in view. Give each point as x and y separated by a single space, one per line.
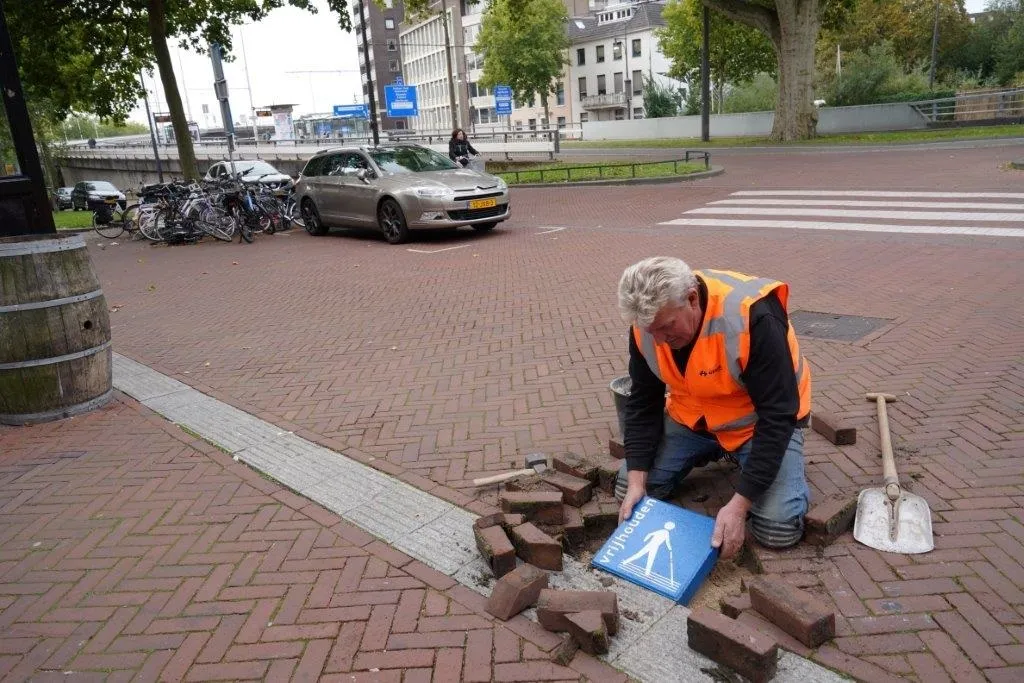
689 155
977 106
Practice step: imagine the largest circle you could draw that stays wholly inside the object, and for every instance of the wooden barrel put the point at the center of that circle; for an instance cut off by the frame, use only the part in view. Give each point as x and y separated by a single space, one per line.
54 330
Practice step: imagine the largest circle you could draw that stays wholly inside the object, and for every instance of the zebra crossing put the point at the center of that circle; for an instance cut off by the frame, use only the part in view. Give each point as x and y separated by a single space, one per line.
984 214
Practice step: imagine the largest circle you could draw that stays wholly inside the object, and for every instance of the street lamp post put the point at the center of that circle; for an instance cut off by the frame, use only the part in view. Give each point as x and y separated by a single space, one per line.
448 62
152 129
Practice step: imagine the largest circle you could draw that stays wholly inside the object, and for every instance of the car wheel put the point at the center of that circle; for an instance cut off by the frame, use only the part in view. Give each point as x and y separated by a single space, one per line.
311 219
392 222
484 227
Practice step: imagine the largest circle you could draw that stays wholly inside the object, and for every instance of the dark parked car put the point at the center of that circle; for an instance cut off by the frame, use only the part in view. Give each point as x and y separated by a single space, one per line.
62 198
90 195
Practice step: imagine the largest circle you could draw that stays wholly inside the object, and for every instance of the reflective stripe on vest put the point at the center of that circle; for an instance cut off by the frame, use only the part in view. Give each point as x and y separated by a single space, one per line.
730 323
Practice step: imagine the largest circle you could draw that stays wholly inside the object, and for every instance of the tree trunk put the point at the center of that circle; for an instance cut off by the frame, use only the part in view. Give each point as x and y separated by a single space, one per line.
796 118
158 34
547 114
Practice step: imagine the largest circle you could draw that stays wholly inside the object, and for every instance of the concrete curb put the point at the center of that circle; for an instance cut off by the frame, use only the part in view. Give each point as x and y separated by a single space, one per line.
430 529
715 170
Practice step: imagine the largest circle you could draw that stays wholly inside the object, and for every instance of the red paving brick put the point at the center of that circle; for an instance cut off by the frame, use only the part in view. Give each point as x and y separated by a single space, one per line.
447 366
179 606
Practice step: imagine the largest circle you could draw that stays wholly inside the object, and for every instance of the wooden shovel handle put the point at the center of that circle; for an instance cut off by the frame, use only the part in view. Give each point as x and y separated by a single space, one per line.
892 480
498 478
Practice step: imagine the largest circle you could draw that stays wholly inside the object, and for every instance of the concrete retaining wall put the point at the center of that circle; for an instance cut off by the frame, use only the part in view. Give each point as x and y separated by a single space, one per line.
866 118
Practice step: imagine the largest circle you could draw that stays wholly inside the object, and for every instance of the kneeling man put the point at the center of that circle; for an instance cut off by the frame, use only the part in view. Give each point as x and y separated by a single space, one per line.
716 371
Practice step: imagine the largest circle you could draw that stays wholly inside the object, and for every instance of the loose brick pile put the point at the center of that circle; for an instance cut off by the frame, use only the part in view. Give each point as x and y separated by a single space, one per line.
543 515
752 627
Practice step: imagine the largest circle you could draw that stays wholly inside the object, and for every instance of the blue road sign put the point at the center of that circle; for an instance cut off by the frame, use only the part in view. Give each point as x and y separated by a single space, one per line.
400 100
663 548
352 111
502 99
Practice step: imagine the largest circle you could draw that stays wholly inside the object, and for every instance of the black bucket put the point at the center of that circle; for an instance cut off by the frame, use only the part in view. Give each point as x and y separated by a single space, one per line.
621 388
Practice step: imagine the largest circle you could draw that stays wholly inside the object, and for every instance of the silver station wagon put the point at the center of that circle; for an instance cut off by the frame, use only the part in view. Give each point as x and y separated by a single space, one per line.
397 188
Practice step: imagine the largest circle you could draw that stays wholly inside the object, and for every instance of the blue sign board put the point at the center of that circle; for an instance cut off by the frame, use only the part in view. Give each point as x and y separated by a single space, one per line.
400 100
663 548
352 111
502 99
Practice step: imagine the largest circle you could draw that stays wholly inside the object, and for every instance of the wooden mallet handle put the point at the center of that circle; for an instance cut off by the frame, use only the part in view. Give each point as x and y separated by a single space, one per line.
498 478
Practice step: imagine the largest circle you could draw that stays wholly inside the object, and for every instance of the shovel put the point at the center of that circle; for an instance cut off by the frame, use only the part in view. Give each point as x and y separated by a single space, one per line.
890 519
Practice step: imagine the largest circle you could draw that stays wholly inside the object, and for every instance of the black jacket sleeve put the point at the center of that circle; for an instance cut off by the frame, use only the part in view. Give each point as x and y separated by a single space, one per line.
453 149
470 148
771 383
644 414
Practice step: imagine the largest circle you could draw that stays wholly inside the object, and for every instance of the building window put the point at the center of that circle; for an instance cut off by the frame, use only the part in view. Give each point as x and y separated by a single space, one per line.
532 124
638 82
636 47
638 112
616 50
581 56
617 81
600 53
620 114
559 93
584 117
561 122
601 89
392 45
393 65
582 87
389 24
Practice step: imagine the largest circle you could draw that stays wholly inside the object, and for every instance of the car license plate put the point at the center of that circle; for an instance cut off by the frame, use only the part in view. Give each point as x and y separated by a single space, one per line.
483 203
110 201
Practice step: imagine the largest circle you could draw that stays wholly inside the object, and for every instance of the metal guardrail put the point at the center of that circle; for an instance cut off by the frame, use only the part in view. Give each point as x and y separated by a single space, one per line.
973 106
689 155
507 136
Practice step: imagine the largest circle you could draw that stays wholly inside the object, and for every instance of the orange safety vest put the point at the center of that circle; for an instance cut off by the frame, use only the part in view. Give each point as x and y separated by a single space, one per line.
712 387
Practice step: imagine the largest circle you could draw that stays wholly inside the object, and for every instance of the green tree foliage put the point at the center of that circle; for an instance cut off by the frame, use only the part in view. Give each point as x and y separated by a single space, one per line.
758 94
995 49
660 100
85 55
737 52
524 45
877 75
906 26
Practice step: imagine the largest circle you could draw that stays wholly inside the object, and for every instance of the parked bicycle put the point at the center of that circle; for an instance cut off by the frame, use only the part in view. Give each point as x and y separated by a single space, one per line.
111 222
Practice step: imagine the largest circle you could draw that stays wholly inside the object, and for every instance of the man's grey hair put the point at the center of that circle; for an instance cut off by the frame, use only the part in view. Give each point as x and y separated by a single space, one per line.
649 285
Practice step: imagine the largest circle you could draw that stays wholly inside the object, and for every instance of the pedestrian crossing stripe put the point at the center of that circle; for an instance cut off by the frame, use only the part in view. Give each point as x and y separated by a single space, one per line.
855 227
869 204
845 213
952 213
879 193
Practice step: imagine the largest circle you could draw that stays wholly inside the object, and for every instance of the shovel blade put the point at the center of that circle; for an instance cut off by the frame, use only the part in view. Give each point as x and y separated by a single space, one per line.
905 527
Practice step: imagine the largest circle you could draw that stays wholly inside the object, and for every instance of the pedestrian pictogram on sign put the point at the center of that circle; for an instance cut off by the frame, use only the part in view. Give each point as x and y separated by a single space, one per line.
661 547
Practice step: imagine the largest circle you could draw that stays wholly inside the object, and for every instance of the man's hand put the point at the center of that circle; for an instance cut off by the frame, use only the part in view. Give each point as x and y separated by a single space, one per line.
730 526
636 489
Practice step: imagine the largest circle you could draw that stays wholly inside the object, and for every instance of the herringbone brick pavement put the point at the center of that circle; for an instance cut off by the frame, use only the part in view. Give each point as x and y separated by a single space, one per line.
131 551
440 367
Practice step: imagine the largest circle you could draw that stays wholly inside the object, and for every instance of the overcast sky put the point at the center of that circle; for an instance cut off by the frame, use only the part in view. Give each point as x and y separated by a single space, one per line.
293 57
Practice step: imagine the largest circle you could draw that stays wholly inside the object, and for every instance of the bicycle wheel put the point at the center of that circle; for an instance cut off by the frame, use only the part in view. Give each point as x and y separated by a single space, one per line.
157 226
241 224
112 229
292 215
217 223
